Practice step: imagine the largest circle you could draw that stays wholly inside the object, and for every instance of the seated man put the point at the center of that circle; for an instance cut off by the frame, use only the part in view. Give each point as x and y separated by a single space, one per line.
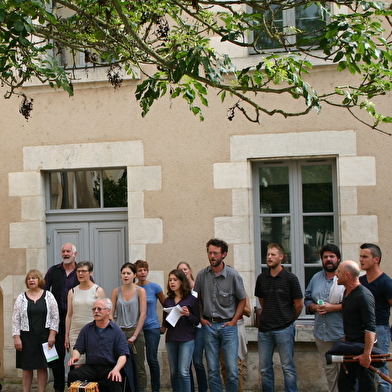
105 346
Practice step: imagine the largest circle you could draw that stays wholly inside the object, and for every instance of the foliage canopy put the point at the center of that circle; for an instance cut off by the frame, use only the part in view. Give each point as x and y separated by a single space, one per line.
170 42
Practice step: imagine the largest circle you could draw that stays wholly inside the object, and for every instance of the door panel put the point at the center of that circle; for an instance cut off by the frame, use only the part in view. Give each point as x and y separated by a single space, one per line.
108 249
62 233
103 243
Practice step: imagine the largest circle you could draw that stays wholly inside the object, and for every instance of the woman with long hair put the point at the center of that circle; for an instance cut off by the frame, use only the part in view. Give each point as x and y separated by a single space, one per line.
129 312
180 338
80 300
198 352
35 321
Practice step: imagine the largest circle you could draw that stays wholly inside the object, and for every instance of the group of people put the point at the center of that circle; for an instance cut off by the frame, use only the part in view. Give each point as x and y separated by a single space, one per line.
57 310
353 308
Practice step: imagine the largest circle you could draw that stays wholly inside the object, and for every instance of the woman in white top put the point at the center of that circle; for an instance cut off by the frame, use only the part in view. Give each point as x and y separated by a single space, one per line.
81 298
129 312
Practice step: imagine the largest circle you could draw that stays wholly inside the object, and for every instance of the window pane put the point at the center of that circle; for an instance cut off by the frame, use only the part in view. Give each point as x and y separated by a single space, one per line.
115 188
275 230
309 20
264 40
86 188
317 192
274 190
61 190
318 231
93 189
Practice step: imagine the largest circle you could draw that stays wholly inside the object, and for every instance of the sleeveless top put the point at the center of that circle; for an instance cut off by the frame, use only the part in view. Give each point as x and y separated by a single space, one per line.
82 302
127 311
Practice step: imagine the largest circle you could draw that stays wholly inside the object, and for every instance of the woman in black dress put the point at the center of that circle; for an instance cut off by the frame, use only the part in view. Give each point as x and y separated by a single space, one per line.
34 321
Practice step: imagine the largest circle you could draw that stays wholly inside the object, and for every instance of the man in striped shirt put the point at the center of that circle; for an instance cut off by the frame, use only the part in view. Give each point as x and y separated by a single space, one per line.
280 298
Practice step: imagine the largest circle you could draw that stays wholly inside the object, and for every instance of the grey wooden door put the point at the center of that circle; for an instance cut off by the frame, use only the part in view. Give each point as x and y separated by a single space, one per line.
103 243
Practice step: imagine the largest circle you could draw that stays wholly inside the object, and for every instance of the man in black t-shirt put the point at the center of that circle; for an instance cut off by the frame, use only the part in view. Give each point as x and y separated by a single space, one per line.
359 324
280 298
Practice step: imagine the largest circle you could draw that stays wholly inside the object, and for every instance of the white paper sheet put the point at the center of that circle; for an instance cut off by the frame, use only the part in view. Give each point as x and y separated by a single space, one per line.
50 353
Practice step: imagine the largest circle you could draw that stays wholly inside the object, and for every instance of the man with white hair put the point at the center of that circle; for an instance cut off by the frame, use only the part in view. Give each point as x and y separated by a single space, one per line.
59 279
105 346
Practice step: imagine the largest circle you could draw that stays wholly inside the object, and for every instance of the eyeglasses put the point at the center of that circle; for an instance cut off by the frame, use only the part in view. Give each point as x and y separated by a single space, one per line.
98 309
82 271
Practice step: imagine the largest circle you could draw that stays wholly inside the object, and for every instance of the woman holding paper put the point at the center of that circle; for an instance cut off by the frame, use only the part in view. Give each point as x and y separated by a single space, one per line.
198 352
180 335
35 321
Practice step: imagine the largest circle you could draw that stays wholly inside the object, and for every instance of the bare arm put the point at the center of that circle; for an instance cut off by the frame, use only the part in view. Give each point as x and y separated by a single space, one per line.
247 310
364 359
238 313
68 319
115 374
161 297
298 305
142 296
113 298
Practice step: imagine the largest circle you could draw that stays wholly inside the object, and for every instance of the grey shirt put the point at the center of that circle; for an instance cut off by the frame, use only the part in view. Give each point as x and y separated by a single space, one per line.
220 293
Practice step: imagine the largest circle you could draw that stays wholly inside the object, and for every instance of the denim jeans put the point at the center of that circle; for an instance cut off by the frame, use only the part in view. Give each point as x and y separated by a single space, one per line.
283 340
152 337
216 338
198 364
383 335
180 356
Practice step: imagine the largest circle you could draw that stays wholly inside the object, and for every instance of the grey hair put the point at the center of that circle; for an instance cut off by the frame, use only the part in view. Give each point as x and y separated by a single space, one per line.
109 304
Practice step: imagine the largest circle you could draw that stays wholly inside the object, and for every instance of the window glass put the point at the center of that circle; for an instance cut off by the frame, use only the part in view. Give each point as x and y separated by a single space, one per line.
299 25
89 188
295 206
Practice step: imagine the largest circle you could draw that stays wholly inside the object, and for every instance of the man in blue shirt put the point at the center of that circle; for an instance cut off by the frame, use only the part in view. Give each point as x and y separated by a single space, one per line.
323 298
380 284
105 346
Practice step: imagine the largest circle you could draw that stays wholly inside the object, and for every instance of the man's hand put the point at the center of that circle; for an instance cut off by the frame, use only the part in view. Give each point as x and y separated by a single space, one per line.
115 375
72 361
364 360
204 322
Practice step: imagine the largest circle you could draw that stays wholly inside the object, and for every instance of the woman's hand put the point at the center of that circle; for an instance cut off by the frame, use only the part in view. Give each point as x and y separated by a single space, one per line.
18 343
185 311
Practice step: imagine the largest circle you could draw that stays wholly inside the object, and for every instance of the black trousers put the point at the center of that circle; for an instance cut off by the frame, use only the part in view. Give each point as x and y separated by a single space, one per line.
57 366
353 371
97 374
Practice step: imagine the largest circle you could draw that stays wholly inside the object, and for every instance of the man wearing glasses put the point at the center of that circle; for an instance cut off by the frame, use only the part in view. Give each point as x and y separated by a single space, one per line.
222 296
106 349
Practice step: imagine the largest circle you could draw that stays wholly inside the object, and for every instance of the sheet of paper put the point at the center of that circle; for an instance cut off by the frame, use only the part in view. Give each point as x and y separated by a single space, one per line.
50 353
174 315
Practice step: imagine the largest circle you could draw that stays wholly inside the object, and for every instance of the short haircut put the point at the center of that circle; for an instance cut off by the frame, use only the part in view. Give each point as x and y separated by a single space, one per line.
73 247
330 248
219 244
141 264
88 264
374 249
107 300
352 270
34 273
185 285
277 246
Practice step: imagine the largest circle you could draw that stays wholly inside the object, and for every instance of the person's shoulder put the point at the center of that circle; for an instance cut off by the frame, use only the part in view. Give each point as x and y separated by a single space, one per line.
386 278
